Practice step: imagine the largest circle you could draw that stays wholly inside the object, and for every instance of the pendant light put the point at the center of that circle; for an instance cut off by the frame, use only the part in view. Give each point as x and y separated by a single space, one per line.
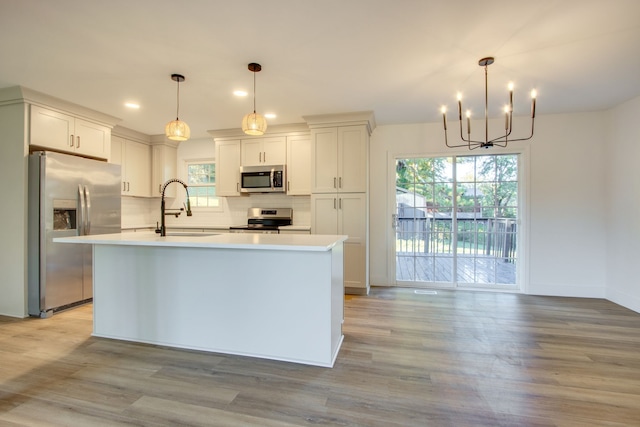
177 130
254 123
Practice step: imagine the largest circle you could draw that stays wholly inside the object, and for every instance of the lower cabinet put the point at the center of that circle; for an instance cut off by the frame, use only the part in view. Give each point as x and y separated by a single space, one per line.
345 213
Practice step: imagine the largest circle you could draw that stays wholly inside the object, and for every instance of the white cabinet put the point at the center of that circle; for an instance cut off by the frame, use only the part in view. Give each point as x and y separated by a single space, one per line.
228 167
264 151
345 213
164 160
339 159
298 165
62 132
339 187
135 159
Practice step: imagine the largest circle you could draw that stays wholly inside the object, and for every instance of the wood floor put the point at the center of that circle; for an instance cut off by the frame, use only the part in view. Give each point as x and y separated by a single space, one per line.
452 359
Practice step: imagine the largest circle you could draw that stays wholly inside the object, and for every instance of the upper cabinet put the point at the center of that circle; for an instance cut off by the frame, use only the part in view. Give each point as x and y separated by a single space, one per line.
298 164
287 145
339 159
228 167
163 168
264 151
62 132
135 160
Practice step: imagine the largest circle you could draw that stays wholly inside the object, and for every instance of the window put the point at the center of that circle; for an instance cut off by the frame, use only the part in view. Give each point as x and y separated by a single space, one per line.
201 179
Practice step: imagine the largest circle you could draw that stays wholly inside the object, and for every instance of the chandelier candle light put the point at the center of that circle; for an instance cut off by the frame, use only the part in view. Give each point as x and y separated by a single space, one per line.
177 130
500 141
254 123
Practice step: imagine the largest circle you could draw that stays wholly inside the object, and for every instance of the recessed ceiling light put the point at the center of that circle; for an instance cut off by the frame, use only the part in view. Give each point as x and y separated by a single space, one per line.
240 93
270 115
132 105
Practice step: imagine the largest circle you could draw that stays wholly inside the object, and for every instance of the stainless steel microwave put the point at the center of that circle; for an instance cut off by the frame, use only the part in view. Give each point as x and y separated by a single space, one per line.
263 179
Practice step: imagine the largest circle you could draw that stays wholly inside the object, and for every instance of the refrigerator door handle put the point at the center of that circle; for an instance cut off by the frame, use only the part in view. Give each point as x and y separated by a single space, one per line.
87 211
81 211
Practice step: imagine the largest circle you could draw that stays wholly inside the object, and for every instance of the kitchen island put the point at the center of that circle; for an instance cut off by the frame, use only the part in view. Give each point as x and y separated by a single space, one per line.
262 295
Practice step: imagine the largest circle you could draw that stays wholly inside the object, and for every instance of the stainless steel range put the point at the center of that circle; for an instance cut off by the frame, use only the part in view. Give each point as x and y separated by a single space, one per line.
267 221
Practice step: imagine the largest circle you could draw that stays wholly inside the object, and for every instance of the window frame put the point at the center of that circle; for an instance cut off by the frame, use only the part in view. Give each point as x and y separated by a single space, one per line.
200 161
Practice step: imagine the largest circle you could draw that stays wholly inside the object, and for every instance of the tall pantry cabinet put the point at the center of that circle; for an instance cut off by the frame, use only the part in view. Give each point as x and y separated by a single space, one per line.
340 188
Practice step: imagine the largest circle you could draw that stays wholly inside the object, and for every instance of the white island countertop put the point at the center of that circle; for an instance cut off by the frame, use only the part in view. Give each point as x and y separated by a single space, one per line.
283 242
273 296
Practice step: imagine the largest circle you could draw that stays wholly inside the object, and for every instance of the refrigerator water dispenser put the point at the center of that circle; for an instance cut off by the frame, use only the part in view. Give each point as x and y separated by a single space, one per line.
64 214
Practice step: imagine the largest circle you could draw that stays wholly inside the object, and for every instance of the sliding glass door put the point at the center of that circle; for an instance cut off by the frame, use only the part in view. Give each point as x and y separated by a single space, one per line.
456 221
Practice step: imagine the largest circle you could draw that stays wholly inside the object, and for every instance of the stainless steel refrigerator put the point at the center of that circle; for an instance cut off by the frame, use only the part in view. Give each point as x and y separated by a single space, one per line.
68 196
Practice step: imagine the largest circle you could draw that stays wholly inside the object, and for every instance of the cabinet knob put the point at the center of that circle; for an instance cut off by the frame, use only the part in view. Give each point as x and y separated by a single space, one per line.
77 142
70 140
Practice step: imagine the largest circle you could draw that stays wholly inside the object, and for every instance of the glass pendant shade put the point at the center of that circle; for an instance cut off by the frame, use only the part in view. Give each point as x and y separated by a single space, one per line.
254 124
177 130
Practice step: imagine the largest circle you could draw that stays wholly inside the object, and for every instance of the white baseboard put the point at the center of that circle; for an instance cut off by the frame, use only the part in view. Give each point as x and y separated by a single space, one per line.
621 298
558 290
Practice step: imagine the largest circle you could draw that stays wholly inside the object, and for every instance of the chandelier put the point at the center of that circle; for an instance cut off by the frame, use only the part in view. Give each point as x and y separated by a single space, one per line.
500 141
177 130
254 123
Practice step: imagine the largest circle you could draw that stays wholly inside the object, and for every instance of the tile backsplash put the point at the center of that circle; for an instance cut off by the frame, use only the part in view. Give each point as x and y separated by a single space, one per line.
145 212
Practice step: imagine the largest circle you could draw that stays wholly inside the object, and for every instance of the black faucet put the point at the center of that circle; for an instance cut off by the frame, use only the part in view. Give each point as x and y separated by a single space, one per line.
163 212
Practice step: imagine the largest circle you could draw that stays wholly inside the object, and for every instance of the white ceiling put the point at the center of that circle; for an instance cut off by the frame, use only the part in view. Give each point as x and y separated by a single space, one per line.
402 59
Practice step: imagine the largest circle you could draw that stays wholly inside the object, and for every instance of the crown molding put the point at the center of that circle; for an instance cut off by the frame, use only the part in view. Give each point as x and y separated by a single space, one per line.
366 118
131 134
277 130
19 94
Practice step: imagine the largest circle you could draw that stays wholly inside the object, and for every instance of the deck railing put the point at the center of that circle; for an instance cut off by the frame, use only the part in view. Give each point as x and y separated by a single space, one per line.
481 236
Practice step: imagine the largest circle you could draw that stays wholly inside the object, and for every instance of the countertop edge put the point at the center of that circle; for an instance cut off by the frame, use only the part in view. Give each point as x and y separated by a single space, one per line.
244 241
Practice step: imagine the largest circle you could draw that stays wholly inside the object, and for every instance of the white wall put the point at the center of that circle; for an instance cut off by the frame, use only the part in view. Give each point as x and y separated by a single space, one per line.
567 206
565 219
13 227
623 215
